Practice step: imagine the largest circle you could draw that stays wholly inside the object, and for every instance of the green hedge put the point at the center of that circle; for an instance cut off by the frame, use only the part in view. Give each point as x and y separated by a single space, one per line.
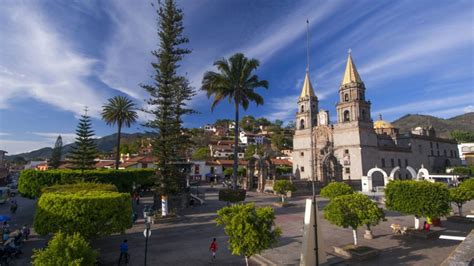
336 189
90 213
419 198
73 188
231 195
31 182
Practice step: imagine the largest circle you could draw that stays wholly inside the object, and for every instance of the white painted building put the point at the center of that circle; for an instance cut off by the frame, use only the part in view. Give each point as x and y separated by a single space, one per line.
210 128
202 169
466 153
250 138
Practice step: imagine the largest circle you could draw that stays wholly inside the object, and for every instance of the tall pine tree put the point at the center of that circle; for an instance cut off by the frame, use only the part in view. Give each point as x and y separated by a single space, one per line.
168 96
57 152
84 149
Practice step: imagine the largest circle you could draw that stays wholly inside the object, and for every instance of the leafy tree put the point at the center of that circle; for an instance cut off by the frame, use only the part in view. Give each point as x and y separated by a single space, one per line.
83 209
418 198
248 123
62 249
168 95
353 210
241 171
251 150
336 189
281 142
121 111
262 121
236 81
461 170
291 125
462 136
201 154
228 172
250 230
282 170
468 185
84 149
223 123
459 196
278 123
56 155
282 187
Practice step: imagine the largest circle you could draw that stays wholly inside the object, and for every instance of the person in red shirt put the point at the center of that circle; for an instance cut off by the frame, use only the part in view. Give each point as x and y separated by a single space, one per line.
213 248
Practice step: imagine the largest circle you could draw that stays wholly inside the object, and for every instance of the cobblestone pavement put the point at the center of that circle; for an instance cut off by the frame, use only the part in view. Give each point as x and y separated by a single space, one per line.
186 239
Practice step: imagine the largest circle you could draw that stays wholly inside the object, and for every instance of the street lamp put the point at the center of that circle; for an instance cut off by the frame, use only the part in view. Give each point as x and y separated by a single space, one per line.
147 234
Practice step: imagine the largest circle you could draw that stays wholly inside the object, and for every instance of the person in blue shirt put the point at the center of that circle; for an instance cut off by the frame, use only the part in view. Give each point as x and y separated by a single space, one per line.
124 251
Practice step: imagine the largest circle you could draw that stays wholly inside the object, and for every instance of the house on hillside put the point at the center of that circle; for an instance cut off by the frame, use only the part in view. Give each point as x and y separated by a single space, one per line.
248 138
466 153
204 170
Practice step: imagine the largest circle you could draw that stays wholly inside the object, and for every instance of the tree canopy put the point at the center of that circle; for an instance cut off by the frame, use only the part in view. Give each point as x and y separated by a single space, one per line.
84 150
251 230
56 154
336 189
462 136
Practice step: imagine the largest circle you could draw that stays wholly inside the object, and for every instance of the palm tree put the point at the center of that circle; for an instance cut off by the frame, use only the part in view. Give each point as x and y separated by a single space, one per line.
236 82
121 111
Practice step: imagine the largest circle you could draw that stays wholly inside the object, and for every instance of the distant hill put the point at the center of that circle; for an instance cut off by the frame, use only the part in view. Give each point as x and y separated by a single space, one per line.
443 127
105 145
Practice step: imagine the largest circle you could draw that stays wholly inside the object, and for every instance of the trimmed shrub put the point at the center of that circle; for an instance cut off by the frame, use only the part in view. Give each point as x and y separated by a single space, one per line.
73 188
31 182
90 213
461 170
282 187
233 196
468 186
336 189
459 196
419 198
62 249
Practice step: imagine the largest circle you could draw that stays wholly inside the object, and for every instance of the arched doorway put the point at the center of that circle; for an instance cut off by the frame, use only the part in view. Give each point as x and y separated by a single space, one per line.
332 170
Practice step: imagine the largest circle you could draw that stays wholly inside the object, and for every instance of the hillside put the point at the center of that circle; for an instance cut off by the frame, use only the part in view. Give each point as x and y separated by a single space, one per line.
442 126
104 145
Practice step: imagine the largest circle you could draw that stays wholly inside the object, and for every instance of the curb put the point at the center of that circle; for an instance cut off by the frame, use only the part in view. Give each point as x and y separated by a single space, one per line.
259 259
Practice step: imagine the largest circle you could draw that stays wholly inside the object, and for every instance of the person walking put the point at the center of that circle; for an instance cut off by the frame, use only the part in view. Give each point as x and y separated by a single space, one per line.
25 231
213 248
123 251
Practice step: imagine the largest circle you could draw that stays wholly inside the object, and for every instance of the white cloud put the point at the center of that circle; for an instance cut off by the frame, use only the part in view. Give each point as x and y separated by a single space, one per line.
4 134
283 108
39 63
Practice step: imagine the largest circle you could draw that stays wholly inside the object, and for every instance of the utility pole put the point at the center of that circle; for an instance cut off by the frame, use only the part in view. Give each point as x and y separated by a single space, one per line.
312 152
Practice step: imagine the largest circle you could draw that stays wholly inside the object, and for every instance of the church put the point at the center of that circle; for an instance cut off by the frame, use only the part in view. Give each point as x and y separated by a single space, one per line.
350 147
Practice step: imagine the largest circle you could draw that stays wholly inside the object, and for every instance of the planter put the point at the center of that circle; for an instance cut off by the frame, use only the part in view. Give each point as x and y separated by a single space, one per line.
460 220
359 253
423 234
368 234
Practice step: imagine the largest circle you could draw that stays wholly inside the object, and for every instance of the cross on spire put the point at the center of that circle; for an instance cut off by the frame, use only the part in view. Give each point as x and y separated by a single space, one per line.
349 51
307 45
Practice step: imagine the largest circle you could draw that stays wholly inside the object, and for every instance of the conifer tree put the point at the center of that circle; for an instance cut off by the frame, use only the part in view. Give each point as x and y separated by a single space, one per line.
84 149
168 96
57 152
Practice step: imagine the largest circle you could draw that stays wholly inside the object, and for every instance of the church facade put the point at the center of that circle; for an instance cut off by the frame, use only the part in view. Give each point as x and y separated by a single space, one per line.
350 147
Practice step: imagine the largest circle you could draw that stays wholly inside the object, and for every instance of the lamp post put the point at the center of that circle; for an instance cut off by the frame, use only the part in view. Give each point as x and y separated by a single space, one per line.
147 234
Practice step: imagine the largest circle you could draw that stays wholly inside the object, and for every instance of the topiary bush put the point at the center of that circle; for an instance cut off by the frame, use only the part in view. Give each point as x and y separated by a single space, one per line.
31 182
92 213
418 198
336 189
282 187
231 195
62 249
73 188
468 186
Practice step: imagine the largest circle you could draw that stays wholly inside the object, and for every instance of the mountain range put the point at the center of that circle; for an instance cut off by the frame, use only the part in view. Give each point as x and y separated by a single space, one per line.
405 123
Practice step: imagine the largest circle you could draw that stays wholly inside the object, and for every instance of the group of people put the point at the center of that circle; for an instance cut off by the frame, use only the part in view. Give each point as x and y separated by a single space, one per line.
12 241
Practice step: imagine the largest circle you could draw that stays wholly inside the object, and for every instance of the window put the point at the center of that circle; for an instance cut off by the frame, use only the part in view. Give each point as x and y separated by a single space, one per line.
455 154
302 167
432 154
346 98
301 123
348 170
437 145
361 96
321 152
445 153
420 149
302 108
346 116
406 162
451 153
399 162
363 115
383 162
437 153
392 162
301 153
346 151
431 144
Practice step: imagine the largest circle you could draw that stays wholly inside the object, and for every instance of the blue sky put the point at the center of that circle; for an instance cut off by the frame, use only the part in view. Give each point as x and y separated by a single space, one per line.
58 56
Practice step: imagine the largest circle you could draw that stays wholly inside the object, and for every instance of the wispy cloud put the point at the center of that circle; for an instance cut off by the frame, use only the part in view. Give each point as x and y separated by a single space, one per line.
52 136
20 146
283 108
4 134
39 63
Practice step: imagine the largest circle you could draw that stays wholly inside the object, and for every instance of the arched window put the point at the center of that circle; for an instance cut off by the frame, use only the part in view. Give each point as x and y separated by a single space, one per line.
302 124
363 115
361 96
346 97
346 116
302 108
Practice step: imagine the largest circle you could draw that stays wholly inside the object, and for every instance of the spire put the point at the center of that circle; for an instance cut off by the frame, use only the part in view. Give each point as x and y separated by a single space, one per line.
351 74
307 89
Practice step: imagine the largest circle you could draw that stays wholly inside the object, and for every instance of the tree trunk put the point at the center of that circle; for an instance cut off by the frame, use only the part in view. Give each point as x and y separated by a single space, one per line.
282 199
246 260
117 155
460 209
164 206
354 234
417 223
236 145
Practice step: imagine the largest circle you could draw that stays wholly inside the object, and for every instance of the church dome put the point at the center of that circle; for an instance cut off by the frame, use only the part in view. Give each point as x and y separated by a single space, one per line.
382 124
